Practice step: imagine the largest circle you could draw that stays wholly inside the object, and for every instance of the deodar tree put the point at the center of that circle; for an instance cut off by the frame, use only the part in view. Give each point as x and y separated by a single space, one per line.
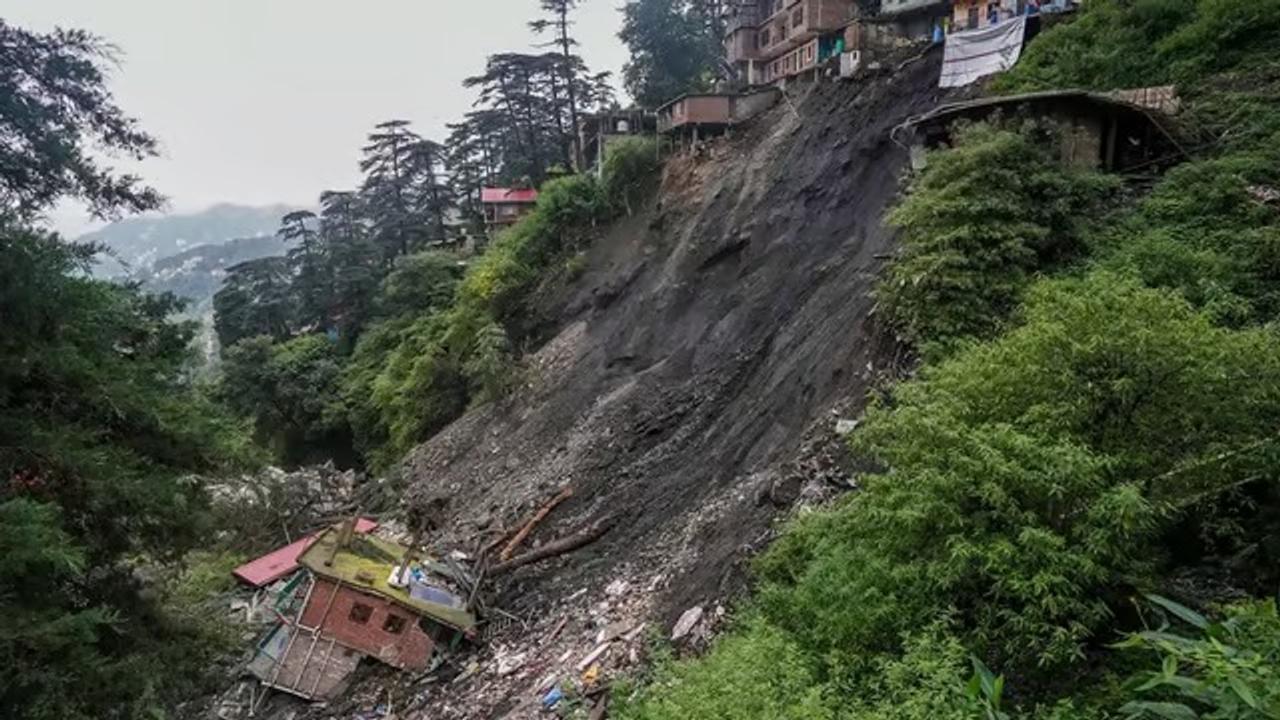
567 64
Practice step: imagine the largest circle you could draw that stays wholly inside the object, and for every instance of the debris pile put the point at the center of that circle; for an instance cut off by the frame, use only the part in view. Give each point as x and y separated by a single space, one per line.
687 396
567 657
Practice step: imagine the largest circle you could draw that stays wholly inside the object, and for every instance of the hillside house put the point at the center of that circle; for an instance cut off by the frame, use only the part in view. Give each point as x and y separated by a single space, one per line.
352 600
284 562
698 115
915 19
504 206
597 131
769 41
974 14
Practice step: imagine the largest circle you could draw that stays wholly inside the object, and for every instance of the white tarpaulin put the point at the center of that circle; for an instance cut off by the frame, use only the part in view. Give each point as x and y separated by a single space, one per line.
972 54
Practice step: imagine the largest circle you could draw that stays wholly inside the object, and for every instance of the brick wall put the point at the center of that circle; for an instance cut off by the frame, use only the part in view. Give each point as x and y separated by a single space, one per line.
410 648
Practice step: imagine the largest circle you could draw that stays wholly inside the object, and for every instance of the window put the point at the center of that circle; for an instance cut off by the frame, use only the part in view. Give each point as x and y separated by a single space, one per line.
797 17
394 624
360 613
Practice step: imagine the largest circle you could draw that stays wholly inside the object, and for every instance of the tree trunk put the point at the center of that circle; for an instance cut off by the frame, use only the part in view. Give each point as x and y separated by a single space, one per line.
573 93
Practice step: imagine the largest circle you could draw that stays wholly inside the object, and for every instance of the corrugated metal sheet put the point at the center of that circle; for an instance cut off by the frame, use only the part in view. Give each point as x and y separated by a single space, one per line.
507 195
278 563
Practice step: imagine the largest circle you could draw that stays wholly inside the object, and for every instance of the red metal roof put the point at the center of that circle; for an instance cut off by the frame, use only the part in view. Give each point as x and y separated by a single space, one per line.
507 195
278 563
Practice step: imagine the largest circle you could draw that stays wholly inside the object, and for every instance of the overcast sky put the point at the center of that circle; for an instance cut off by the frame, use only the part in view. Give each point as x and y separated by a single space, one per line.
266 101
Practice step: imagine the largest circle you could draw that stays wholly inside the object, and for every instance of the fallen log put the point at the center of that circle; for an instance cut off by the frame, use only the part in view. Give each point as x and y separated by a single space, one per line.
557 547
532 523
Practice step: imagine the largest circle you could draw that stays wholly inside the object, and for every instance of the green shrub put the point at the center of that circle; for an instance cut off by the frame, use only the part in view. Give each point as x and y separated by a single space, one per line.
927 682
1110 45
420 388
291 391
630 172
1029 477
1227 670
976 224
419 283
755 672
1119 44
490 362
1205 231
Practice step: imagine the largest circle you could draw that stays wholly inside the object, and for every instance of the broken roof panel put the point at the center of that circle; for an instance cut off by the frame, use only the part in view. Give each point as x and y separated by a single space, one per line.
366 565
278 563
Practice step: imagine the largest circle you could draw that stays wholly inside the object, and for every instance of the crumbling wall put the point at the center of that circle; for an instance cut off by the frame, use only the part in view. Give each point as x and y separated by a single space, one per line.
746 107
331 610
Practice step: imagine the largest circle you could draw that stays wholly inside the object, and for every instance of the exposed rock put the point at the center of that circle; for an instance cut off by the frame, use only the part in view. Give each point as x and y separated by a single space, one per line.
687 622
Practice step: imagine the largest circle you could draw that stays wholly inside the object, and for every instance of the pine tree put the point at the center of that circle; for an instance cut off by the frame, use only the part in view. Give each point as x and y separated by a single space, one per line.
568 63
309 260
354 263
430 195
256 299
385 191
511 85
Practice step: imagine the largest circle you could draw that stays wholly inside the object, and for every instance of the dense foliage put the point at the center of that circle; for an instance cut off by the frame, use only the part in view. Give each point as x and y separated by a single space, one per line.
1098 423
103 436
977 225
362 379
56 119
674 45
1226 669
366 338
414 372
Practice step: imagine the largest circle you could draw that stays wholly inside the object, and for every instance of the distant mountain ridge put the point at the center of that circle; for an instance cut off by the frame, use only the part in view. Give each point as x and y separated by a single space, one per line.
141 242
197 273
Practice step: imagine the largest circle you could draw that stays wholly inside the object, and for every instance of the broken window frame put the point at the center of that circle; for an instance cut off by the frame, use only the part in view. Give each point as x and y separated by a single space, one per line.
394 624
360 613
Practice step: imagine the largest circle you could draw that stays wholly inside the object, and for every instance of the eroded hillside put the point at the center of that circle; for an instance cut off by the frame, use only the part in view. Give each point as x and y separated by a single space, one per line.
699 367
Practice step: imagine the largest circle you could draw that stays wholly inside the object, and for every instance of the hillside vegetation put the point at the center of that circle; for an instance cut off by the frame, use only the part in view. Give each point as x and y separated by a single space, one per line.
1093 428
437 336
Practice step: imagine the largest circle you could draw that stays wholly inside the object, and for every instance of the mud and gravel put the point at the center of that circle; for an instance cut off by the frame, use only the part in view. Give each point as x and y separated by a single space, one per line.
688 388
692 389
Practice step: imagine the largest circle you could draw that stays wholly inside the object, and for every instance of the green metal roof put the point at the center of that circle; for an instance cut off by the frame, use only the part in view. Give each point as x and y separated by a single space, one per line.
366 564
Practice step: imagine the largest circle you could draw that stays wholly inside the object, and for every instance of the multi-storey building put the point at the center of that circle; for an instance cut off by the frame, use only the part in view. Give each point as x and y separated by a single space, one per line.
769 40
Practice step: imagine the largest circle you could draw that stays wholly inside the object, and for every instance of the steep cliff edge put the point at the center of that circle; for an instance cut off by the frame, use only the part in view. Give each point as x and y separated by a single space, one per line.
691 385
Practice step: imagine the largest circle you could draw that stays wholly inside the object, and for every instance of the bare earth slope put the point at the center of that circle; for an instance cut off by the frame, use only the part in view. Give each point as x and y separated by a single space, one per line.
693 374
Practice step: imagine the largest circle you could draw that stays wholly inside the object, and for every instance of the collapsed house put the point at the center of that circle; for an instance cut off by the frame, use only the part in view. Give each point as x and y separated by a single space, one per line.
356 596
